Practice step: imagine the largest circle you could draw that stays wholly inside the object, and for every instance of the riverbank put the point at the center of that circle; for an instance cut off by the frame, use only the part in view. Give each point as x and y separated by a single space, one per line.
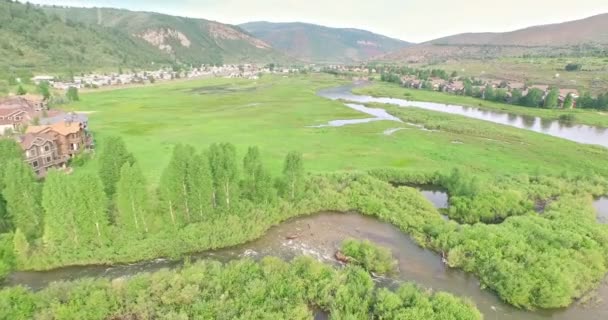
575 116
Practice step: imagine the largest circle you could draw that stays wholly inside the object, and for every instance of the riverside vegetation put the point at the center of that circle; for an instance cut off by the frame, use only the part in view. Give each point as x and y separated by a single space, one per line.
207 198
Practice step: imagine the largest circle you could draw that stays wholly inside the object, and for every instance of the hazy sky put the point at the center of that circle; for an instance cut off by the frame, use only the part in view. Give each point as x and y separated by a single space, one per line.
411 20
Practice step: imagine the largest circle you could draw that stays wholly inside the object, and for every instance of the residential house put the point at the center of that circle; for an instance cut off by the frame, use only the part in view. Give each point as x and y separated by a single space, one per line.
455 87
41 152
70 137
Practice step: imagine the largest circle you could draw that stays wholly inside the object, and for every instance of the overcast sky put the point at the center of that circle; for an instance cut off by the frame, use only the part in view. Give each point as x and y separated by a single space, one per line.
410 20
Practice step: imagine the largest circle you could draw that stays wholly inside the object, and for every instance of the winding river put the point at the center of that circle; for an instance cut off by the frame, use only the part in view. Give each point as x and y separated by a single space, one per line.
320 236
577 133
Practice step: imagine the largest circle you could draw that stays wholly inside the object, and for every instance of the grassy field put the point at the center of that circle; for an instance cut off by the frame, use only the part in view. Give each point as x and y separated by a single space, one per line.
581 116
275 113
550 71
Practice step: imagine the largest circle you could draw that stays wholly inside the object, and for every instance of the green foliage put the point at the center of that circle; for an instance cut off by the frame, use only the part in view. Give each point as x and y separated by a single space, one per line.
552 99
22 195
293 176
132 204
568 102
112 157
44 90
573 67
533 99
60 214
21 245
72 94
7 255
175 185
222 159
257 183
242 289
21 91
371 257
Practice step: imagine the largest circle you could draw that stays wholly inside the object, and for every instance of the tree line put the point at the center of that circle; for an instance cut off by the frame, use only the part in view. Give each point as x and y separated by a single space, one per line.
476 88
85 209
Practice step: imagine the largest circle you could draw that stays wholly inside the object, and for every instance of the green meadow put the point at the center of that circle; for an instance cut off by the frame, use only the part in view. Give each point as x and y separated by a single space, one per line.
275 113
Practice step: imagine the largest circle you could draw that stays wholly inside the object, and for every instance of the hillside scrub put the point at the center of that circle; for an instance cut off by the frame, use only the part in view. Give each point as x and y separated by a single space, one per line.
242 289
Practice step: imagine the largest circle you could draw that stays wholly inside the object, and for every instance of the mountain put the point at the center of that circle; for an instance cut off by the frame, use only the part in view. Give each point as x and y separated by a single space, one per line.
185 39
35 41
314 43
61 40
588 35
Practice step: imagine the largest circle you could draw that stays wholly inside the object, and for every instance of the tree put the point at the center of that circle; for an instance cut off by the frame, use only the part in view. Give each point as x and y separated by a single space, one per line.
21 245
175 186
533 99
60 227
132 200
516 96
21 91
72 94
569 101
200 183
222 159
488 93
44 90
573 67
90 207
22 195
257 183
113 156
468 88
293 175
552 99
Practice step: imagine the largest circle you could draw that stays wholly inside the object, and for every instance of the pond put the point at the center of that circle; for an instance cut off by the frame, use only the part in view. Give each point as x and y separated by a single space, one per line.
320 236
577 133
601 206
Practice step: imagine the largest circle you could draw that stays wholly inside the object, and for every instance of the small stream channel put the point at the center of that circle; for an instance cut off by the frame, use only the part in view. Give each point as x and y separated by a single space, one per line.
577 133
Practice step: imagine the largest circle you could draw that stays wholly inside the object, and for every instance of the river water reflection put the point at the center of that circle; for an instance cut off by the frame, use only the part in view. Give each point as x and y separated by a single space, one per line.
577 133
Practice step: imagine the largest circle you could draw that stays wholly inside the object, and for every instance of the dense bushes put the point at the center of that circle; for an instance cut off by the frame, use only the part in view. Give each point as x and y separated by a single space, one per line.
271 289
372 258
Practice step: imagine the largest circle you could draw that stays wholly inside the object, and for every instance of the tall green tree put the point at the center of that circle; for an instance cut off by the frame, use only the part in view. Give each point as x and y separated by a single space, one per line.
200 184
552 99
72 94
60 224
223 163
114 155
90 207
9 150
22 195
21 91
44 90
132 202
175 186
533 99
488 93
257 182
569 101
21 245
293 174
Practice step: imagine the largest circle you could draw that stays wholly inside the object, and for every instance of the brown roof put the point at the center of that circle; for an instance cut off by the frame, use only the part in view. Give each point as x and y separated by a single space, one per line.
30 139
10 112
63 128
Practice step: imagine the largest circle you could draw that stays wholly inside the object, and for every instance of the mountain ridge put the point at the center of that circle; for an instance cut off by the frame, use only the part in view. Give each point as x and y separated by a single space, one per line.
316 43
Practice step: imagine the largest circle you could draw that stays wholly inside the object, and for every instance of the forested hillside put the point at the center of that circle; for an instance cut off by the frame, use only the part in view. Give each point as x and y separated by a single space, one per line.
35 41
185 39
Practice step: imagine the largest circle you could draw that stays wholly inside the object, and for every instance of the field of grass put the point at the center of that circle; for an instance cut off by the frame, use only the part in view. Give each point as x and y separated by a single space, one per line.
275 113
581 116
550 71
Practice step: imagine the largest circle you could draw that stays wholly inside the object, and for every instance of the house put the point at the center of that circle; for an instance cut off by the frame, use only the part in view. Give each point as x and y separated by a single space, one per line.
30 103
70 137
54 117
13 119
39 79
456 87
41 152
6 126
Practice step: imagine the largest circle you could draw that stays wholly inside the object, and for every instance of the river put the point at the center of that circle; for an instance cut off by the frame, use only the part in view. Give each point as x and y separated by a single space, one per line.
577 133
320 236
